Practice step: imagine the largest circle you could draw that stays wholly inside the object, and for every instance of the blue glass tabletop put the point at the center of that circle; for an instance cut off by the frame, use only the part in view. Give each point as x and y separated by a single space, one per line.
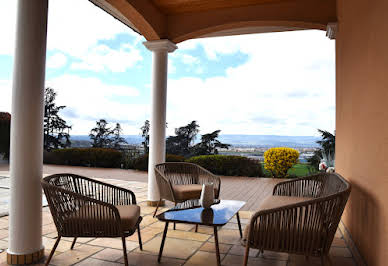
193 213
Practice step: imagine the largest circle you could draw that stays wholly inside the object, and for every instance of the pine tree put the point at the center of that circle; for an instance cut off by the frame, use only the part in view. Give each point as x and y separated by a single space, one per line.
56 130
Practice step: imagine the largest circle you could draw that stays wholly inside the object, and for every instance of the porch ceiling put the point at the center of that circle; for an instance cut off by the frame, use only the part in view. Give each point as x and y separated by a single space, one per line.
179 20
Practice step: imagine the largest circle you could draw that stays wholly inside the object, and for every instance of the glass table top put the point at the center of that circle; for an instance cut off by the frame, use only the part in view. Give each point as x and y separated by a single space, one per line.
192 212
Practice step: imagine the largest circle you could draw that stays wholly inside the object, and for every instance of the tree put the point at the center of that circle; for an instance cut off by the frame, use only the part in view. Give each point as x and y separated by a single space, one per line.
145 130
181 143
101 135
209 144
5 136
55 128
117 140
327 148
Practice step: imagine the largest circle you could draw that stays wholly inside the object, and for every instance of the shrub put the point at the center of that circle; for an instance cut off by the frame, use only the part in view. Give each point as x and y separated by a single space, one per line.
228 165
141 163
5 128
279 160
96 157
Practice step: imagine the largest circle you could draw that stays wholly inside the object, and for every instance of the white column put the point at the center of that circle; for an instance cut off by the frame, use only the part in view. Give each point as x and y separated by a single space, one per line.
26 160
160 50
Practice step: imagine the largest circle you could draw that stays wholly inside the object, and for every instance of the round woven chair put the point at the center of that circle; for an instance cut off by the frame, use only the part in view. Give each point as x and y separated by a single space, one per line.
83 207
301 217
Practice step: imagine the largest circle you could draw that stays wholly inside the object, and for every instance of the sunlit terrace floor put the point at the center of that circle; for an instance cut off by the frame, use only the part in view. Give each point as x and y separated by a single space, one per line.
183 246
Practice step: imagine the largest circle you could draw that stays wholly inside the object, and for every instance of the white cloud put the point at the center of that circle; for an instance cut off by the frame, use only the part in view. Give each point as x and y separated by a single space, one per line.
190 60
101 57
74 26
57 60
90 99
7 26
286 87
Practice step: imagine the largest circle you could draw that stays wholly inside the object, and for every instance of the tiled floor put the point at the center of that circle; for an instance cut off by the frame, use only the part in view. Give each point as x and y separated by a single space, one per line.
183 246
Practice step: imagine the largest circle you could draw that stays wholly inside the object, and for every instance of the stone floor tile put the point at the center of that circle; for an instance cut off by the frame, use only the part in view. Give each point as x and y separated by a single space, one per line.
227 236
3 244
245 214
143 259
300 260
187 235
240 251
147 220
340 252
232 226
204 230
210 247
203 258
97 262
109 254
115 243
173 247
3 233
76 255
274 255
63 246
343 261
48 228
146 234
338 242
233 260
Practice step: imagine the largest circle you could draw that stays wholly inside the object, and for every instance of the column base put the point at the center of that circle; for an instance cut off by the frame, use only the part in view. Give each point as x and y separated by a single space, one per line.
13 259
152 203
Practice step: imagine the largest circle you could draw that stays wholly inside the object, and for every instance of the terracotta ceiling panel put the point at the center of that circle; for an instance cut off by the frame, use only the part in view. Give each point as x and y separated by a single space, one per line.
171 7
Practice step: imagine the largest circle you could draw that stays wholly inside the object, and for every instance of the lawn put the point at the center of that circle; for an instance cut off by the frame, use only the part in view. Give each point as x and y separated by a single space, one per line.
298 170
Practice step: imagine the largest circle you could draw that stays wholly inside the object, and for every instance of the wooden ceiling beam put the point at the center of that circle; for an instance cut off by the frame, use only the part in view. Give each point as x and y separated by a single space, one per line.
147 18
306 14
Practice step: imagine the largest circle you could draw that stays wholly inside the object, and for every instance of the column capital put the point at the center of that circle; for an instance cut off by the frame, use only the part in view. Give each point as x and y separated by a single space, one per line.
331 30
161 45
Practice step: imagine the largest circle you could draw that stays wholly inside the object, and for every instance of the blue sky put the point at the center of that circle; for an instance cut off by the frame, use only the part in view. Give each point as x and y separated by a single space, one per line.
273 83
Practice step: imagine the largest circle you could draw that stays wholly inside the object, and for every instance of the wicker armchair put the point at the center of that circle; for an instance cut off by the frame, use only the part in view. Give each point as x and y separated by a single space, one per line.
179 182
301 217
83 207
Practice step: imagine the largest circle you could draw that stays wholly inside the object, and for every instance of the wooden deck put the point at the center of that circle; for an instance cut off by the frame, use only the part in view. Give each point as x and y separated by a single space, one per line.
250 189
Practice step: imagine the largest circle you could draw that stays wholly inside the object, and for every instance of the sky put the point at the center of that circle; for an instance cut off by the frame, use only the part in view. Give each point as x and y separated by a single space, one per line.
256 84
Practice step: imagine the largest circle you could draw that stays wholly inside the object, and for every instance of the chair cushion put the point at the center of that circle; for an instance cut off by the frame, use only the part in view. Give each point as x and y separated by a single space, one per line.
129 215
187 192
273 202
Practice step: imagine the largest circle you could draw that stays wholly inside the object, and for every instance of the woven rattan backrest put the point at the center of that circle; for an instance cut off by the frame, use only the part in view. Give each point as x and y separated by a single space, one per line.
179 173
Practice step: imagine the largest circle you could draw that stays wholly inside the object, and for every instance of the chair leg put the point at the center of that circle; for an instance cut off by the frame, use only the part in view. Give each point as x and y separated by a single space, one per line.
72 244
125 251
157 206
246 256
139 237
53 250
174 226
196 228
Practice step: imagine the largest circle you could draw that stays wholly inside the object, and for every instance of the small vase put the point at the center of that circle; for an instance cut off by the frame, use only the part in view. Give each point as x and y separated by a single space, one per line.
207 195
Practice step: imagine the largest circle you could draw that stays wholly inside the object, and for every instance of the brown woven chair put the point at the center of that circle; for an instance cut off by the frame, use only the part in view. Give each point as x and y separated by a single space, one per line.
83 207
301 217
179 182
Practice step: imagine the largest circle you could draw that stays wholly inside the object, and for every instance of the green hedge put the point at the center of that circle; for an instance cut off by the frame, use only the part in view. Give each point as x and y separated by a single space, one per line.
5 129
95 157
228 165
141 163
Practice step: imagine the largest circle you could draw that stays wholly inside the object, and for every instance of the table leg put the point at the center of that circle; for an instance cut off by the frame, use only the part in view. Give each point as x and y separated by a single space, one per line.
163 240
217 247
239 224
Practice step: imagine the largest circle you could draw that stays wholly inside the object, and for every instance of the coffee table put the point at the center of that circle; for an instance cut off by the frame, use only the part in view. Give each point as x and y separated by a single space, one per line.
191 212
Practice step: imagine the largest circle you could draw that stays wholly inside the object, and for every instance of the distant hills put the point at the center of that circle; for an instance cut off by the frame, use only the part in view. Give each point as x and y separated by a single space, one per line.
239 140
